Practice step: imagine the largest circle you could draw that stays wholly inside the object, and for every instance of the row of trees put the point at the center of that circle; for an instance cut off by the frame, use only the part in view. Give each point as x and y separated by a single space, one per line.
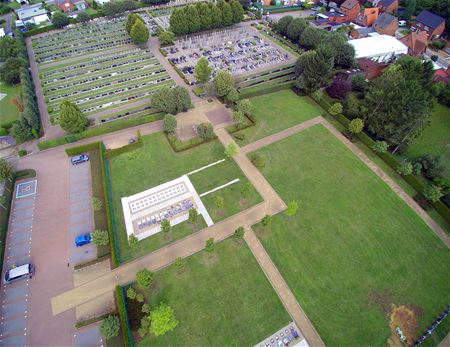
205 16
137 29
118 7
171 100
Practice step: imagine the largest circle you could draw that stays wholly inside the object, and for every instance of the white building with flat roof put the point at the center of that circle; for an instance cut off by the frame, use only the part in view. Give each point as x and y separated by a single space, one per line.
380 48
32 14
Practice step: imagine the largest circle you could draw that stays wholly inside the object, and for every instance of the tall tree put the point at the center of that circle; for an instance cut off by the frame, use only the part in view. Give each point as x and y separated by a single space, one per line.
202 71
227 14
131 19
398 104
10 70
71 119
313 70
311 37
59 20
162 320
139 32
193 19
216 17
223 83
282 24
296 28
8 48
237 10
204 14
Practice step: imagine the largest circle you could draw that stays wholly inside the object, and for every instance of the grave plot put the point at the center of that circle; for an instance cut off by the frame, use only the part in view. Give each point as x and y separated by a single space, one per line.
151 24
240 51
96 67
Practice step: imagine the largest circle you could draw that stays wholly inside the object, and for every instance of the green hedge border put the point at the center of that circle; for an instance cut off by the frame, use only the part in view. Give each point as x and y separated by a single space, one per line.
86 322
389 159
132 146
119 294
179 146
262 89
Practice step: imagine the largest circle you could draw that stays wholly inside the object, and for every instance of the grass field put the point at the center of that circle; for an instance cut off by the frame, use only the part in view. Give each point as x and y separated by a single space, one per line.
277 111
435 139
219 300
155 163
354 247
8 111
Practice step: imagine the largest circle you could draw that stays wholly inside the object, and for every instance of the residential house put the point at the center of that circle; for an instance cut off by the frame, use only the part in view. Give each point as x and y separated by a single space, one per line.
429 22
367 17
350 8
359 32
388 6
32 14
416 42
371 69
442 75
71 5
386 24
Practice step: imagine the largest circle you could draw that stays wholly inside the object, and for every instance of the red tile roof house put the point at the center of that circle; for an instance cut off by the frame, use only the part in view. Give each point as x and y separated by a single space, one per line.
367 17
386 24
429 22
442 75
71 5
416 42
350 8
388 6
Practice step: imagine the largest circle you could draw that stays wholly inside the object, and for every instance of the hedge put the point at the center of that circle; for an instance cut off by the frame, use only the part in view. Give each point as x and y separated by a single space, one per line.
40 30
92 262
119 294
83 148
92 320
262 89
132 146
389 159
179 146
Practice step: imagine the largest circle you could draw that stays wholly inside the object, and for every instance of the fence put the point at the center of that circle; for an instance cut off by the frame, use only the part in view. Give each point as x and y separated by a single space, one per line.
123 316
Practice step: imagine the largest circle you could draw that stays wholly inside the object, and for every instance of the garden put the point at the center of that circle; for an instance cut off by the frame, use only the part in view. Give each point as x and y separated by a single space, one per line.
350 223
155 163
276 112
219 297
98 68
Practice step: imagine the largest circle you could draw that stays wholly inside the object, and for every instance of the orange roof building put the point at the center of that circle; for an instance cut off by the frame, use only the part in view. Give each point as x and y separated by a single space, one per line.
368 16
416 42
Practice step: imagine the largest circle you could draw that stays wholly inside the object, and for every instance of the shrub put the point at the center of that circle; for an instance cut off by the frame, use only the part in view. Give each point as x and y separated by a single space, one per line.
404 168
133 240
205 131
209 246
165 226
266 220
432 193
169 124
22 152
131 293
335 109
245 190
258 160
193 215
145 278
96 204
162 320
239 232
109 327
146 308
231 150
139 297
359 84
356 126
380 147
179 263
220 203
100 237
292 208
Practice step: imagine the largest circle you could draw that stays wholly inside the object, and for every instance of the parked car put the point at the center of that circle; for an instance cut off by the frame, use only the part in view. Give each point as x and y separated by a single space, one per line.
78 159
402 23
23 271
294 333
83 239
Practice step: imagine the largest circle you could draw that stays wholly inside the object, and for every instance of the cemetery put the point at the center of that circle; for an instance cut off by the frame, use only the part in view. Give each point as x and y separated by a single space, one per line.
239 50
97 67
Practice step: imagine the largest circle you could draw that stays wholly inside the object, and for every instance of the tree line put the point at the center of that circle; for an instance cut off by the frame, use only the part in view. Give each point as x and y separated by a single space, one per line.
136 28
205 16
16 70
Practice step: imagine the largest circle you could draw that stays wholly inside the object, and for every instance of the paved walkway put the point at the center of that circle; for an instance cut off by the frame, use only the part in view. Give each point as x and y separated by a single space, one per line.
282 289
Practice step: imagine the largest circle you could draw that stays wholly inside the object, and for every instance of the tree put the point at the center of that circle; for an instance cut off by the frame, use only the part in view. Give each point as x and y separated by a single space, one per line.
100 237
245 190
59 20
404 168
109 327
162 320
398 104
146 308
380 147
244 106
205 131
204 13
166 37
71 119
145 278
192 18
140 297
359 84
163 100
232 96
237 11
83 17
8 48
10 70
227 14
131 293
177 22
139 33
193 215
313 70
339 88
165 226
239 233
292 208
182 99
231 150
131 19
96 204
356 126
216 17
266 220
202 71
335 109
282 25
209 246
169 124
223 83
6 170
22 130
220 202
133 241
432 193
296 28
311 37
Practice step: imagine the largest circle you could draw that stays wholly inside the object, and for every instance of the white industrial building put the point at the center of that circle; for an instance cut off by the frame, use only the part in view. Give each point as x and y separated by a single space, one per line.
35 14
380 48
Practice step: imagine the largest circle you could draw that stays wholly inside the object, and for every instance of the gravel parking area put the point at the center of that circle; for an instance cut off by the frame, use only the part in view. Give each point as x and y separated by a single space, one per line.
14 309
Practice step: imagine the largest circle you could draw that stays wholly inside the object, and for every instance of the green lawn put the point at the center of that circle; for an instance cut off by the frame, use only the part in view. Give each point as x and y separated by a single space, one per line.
223 300
155 163
8 111
354 247
435 139
277 111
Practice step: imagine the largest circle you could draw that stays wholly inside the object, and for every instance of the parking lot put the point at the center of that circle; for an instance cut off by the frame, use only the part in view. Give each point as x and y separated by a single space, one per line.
14 308
88 336
81 218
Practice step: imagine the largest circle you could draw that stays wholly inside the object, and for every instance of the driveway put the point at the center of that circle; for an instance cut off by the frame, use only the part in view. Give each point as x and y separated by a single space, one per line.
14 309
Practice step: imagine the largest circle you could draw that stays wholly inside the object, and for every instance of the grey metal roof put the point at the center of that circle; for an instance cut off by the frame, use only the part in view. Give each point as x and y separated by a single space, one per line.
31 11
430 19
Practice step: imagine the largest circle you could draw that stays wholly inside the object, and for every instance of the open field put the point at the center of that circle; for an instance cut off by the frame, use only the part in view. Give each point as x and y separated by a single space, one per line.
275 112
155 163
8 111
97 67
435 139
354 248
222 299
